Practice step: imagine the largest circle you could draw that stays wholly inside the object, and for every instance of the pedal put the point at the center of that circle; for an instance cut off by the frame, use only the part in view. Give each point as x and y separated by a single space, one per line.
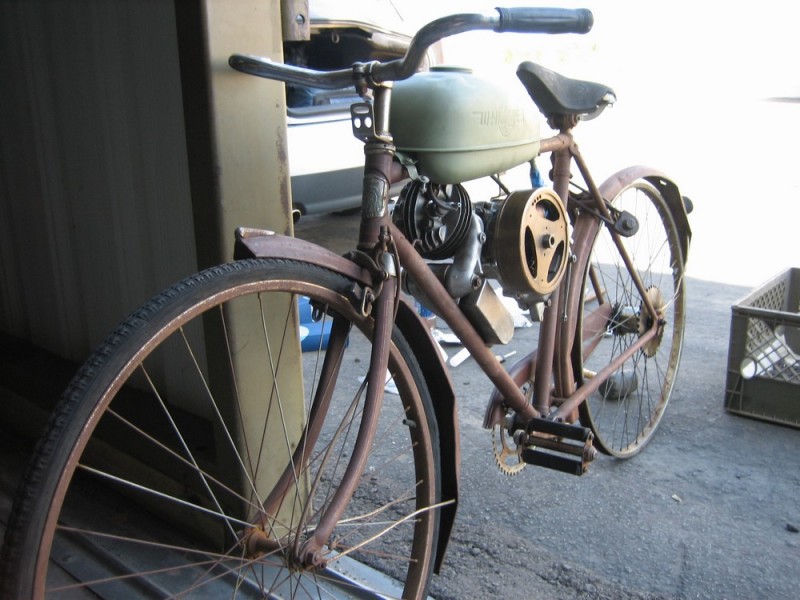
558 429
559 446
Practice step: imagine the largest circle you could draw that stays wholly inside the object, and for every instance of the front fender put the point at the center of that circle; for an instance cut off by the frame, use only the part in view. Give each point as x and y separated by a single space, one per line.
252 243
437 377
668 188
261 243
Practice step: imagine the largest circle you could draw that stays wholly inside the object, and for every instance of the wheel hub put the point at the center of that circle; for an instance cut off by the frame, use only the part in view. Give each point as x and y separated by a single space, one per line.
256 543
646 322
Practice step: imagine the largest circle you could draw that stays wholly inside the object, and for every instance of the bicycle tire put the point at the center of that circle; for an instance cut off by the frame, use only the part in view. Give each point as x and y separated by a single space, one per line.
625 412
124 433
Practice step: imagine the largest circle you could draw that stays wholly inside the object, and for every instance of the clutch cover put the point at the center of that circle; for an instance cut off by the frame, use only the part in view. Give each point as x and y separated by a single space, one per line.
530 243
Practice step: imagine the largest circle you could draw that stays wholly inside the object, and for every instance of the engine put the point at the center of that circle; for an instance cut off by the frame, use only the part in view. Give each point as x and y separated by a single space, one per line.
520 240
527 244
435 217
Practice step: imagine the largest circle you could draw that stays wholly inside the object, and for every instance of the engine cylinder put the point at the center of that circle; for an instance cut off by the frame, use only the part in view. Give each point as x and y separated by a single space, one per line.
434 217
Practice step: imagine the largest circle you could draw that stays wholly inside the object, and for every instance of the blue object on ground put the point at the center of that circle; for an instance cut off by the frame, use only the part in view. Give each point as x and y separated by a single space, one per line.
313 334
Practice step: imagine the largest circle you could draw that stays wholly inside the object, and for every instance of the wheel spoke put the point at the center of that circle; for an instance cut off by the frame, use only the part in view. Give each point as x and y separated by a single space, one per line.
626 414
146 490
177 431
203 448
191 464
250 468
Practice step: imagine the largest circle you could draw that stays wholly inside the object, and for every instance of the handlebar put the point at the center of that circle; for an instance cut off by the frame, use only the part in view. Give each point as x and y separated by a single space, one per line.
516 20
545 20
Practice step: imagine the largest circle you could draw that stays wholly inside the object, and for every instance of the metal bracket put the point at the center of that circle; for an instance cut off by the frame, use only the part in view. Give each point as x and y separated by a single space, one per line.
410 165
622 222
362 120
625 223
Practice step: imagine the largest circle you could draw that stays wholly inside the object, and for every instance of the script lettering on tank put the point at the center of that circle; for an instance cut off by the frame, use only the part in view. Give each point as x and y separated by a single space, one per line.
506 120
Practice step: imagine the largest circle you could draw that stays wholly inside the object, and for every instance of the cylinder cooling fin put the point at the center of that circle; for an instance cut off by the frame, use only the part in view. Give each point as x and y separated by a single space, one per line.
529 243
435 217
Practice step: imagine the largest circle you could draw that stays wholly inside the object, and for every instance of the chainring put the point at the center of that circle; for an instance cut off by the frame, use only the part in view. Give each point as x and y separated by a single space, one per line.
507 454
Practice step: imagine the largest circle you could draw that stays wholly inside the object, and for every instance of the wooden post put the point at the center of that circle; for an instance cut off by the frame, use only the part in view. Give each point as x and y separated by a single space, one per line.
295 20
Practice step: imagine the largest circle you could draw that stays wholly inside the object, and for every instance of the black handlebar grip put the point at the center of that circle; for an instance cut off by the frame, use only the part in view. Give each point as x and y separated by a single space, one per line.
544 20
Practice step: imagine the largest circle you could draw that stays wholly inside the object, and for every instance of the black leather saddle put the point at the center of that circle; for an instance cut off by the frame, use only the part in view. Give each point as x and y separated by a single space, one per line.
555 94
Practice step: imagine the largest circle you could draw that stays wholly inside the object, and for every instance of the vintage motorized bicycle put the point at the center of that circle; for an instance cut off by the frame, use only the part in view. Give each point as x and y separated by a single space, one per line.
239 465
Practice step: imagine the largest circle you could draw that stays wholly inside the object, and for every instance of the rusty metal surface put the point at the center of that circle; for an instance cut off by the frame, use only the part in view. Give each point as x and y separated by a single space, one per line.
445 306
616 182
252 243
310 553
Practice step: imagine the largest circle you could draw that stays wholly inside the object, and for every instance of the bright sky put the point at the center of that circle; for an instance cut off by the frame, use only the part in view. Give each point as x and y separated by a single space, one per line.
691 79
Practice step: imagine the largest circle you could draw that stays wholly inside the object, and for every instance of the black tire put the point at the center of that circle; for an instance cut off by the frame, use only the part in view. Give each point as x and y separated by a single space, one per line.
155 465
627 409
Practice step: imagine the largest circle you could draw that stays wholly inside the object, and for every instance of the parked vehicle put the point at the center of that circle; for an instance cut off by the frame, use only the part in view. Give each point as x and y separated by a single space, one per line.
326 164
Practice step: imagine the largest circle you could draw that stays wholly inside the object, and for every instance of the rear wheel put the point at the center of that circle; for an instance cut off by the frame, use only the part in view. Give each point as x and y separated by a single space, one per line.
196 451
628 407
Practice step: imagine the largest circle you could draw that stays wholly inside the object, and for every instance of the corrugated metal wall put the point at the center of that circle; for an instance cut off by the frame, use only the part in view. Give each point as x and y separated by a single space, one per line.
129 153
97 212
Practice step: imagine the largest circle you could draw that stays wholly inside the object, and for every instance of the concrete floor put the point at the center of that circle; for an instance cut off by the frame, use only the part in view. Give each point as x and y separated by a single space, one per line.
708 510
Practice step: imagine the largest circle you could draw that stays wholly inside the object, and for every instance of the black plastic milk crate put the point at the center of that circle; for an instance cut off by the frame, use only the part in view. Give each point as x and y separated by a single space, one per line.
764 354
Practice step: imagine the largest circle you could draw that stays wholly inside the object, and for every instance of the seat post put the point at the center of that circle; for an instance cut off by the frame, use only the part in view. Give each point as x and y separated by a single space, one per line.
562 158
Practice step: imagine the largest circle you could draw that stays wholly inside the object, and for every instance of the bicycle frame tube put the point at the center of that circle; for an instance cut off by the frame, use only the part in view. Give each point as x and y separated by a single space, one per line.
551 363
570 298
445 307
549 330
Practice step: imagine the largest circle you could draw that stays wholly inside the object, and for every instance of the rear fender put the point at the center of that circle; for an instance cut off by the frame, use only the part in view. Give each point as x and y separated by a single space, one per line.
251 243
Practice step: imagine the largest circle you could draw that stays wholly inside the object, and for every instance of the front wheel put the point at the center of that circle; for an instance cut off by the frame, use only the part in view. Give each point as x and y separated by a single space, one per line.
628 407
196 452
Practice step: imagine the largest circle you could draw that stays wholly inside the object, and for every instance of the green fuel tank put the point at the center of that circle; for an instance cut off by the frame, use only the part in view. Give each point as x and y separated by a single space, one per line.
457 126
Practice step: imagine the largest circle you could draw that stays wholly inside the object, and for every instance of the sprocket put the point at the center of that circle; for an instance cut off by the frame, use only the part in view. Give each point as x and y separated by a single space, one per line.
507 454
657 299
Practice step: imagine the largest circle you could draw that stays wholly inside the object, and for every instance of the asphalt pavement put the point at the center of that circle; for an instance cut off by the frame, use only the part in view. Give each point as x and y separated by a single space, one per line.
710 509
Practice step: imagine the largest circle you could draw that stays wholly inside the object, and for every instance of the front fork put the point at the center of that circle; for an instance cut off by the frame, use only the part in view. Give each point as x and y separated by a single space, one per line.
383 310
375 252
